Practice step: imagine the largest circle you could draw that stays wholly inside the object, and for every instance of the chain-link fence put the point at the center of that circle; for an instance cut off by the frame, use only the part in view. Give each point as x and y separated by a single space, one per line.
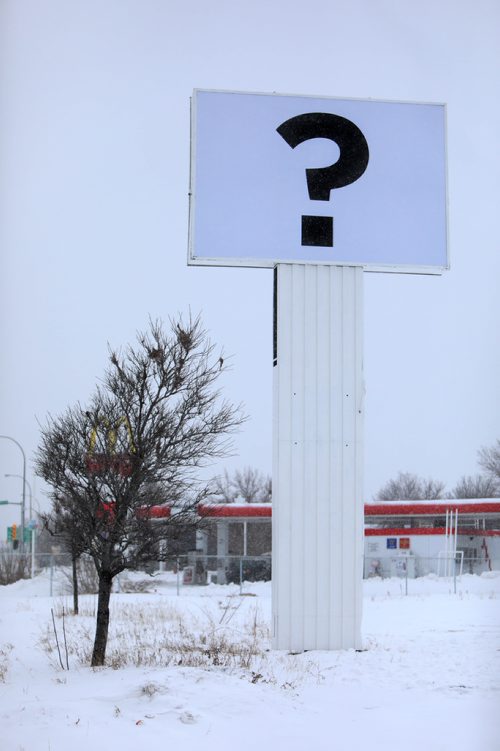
414 566
182 573
410 569
177 573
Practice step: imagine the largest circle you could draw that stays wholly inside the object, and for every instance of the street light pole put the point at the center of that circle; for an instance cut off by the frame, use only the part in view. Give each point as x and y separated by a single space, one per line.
23 504
30 492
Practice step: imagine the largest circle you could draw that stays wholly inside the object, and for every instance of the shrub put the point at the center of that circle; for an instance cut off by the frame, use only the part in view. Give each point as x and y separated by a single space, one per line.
13 566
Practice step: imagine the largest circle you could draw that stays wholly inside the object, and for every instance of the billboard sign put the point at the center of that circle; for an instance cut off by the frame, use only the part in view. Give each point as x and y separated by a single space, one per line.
278 178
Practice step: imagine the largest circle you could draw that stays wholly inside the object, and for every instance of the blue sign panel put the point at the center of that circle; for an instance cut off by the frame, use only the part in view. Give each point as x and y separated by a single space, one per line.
392 543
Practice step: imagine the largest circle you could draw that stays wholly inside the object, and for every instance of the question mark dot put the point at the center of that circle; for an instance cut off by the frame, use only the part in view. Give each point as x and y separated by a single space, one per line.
317 231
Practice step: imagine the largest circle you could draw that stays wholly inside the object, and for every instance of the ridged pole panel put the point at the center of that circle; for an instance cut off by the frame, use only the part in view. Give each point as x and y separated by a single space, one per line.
317 458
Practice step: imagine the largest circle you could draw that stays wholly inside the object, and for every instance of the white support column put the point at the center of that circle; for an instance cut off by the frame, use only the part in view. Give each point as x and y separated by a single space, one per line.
317 458
202 541
222 550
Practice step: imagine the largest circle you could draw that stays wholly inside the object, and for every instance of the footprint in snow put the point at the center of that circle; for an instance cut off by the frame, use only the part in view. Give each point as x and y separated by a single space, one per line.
187 718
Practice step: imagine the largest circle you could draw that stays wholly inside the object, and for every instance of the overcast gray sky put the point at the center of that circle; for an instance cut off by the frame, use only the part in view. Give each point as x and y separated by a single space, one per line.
94 173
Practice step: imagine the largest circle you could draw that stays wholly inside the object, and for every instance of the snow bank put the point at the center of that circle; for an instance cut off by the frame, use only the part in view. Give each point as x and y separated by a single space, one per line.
428 676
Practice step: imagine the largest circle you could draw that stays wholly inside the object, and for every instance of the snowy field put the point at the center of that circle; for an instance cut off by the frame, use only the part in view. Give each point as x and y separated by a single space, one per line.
195 672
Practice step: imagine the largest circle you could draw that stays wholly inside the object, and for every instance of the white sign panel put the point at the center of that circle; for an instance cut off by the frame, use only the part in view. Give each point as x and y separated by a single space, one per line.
300 179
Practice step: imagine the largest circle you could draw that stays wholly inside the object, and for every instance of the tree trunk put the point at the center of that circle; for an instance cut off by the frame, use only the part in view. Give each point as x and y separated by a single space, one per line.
102 623
74 560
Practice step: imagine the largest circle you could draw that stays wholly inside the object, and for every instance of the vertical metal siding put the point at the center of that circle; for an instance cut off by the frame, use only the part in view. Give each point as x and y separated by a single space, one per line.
317 493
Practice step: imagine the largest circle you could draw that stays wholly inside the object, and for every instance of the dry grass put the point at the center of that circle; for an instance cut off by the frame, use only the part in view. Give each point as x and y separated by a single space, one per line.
159 635
228 635
87 607
5 650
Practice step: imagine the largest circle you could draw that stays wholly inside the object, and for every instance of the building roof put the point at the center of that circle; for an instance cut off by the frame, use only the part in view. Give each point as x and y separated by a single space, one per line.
241 510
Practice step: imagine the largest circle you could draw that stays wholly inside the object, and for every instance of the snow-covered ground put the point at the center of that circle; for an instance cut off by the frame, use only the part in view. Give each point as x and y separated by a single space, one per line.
195 672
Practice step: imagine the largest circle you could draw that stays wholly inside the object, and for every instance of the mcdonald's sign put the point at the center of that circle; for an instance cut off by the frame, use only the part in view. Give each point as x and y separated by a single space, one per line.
121 462
106 511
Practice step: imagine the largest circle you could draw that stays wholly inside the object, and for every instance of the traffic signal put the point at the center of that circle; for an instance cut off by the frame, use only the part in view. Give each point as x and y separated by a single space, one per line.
14 531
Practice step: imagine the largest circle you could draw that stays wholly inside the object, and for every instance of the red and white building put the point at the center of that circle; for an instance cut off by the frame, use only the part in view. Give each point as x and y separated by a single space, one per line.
413 537
428 532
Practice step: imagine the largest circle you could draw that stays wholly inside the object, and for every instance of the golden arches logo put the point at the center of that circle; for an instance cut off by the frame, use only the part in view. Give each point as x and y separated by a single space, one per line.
119 462
112 434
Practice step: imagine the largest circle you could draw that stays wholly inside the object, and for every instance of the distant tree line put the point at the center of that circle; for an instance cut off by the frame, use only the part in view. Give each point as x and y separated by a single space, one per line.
410 487
247 484
250 485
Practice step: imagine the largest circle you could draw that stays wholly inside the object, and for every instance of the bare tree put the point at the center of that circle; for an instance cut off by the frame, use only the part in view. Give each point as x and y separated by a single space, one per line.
248 484
478 486
267 490
154 420
410 487
489 460
223 488
60 525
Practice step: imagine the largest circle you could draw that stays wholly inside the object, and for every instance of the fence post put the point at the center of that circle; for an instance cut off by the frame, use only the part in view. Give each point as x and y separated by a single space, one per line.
177 580
241 575
33 539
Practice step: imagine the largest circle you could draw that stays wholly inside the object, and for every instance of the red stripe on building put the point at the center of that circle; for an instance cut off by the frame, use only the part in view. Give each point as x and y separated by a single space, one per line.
154 512
410 531
419 509
231 510
422 508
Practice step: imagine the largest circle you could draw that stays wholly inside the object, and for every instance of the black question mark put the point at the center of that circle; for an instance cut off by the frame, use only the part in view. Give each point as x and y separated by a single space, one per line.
352 162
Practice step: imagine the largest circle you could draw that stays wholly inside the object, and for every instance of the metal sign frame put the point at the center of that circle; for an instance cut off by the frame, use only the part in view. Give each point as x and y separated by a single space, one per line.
270 260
